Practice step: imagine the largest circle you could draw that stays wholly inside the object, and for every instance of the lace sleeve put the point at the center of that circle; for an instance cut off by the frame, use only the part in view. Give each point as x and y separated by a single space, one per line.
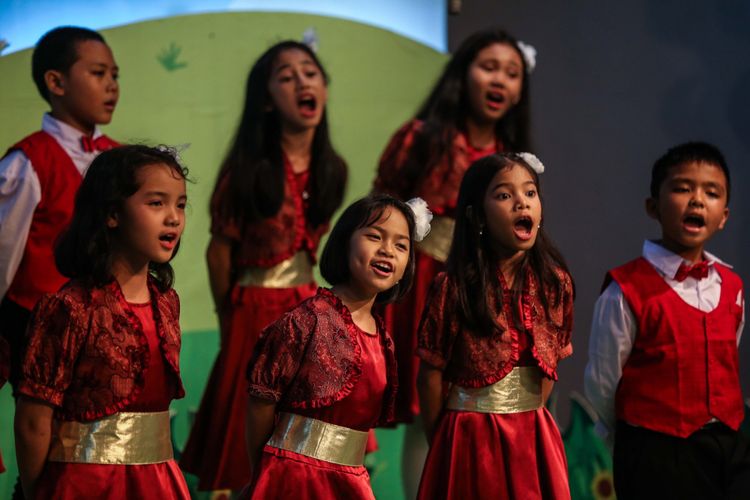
56 333
389 179
437 330
279 353
220 225
564 338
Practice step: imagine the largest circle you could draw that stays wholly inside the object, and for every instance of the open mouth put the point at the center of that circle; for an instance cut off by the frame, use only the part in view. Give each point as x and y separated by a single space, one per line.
307 105
110 104
382 267
495 99
694 222
168 240
522 227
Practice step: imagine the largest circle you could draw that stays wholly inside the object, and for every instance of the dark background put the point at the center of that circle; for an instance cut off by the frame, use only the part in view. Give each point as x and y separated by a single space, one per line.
616 85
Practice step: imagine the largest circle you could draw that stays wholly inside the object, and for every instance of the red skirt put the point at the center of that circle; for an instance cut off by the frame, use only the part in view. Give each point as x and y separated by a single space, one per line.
484 455
72 481
285 474
402 320
215 451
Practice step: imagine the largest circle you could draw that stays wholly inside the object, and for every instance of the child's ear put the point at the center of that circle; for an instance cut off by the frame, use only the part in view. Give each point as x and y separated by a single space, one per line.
55 82
724 218
652 208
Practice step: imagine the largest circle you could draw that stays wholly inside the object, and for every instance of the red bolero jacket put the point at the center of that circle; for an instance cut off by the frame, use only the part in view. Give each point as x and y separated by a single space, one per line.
440 188
272 240
310 358
474 361
87 352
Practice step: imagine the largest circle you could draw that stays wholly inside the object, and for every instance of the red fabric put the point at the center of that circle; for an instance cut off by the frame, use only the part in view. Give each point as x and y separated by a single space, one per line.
439 188
284 474
159 385
101 143
489 456
402 319
153 481
683 369
282 235
59 180
215 451
282 471
697 271
310 358
470 360
67 481
87 352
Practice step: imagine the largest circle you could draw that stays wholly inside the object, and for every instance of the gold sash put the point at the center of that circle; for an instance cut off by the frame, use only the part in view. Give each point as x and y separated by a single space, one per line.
520 390
121 439
316 439
437 243
295 271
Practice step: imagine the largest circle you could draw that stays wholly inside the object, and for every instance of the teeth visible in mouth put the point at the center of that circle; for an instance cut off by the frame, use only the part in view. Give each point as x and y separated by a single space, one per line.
307 102
382 266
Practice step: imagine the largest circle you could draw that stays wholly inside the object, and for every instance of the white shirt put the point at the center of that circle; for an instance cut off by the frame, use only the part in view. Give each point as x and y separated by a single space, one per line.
613 328
21 192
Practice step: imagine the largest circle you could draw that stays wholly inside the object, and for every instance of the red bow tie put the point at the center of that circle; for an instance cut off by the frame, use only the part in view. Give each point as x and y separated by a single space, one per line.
91 145
697 271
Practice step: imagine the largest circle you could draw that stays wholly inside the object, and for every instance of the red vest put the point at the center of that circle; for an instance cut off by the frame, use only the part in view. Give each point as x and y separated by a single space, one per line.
683 369
59 180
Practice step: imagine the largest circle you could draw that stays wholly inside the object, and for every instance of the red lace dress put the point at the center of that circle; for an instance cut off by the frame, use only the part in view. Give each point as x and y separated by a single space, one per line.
72 481
440 190
215 451
497 456
285 474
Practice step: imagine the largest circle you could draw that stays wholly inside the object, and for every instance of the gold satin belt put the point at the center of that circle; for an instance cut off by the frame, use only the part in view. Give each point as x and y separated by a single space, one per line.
120 439
295 271
520 390
316 439
437 244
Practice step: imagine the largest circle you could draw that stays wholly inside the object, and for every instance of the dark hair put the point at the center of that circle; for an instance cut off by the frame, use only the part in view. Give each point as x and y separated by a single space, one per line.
472 263
58 50
255 163
445 111
83 250
334 263
689 152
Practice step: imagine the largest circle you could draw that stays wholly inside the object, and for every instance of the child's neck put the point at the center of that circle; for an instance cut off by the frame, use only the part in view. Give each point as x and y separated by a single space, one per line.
359 305
297 146
62 115
690 254
508 265
480 135
133 281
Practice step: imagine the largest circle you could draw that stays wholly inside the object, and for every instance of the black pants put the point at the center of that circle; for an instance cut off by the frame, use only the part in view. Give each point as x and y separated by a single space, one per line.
13 322
713 462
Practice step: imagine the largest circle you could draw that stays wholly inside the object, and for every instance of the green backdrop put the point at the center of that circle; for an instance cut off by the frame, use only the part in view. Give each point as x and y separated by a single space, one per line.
182 82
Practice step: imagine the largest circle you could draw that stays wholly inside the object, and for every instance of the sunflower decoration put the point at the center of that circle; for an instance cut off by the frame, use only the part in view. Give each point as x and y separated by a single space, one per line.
603 486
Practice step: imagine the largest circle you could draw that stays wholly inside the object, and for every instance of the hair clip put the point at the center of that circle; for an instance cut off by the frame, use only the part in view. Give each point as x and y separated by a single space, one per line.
529 55
533 162
422 218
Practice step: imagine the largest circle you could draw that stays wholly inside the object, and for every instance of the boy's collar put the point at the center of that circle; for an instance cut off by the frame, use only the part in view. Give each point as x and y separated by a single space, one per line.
667 262
62 130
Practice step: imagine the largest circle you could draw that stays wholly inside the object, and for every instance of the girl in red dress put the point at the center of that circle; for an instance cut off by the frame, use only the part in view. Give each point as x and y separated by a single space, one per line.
102 365
278 187
324 374
496 325
479 106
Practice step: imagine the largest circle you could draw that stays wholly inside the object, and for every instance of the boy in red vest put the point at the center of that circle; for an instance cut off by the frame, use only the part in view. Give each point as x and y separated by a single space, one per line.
663 360
75 72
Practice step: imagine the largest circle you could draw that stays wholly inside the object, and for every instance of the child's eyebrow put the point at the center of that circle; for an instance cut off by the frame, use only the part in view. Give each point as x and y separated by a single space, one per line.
399 236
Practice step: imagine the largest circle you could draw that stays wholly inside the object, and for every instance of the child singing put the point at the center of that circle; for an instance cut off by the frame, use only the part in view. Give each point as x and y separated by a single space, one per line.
496 324
324 374
277 190
102 363
663 370
479 106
